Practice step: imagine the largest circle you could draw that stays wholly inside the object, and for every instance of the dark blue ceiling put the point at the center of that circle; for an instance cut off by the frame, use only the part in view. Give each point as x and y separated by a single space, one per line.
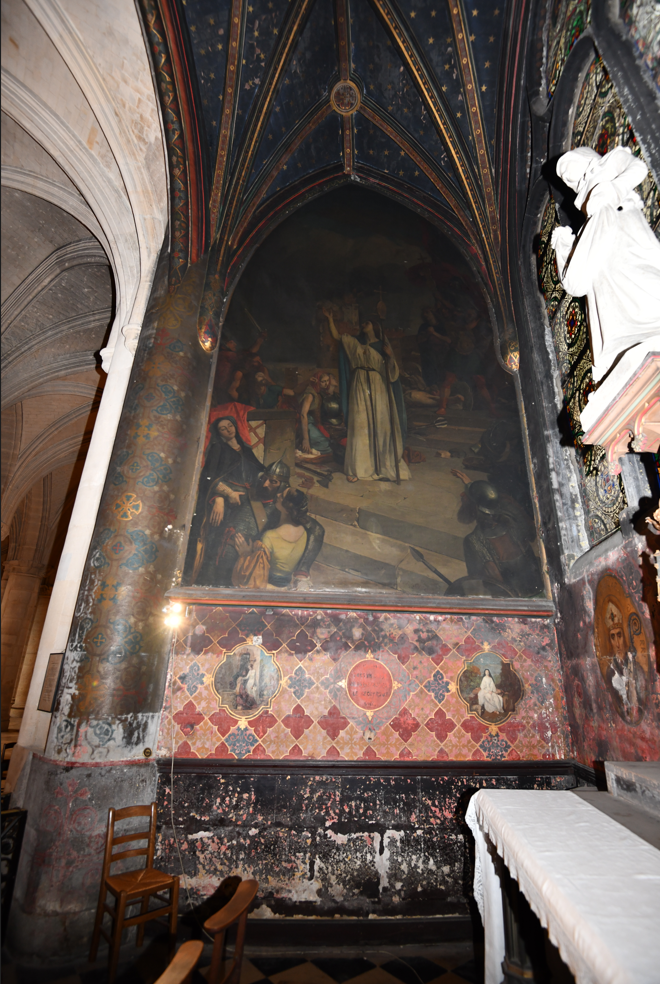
416 65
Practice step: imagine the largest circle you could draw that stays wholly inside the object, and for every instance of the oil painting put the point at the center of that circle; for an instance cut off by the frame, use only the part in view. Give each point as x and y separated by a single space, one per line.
621 649
490 687
362 436
247 680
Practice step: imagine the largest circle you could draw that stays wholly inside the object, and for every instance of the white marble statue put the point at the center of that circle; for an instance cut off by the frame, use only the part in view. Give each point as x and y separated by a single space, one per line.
615 259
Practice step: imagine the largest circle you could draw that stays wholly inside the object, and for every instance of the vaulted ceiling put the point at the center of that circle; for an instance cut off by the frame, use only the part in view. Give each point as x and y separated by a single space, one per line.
267 103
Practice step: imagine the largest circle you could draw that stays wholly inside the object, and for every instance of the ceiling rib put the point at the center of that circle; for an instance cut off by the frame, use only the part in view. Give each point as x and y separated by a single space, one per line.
464 171
229 107
470 88
291 30
282 156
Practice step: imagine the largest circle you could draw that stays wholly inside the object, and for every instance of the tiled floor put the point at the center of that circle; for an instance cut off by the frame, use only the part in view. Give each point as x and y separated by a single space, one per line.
451 963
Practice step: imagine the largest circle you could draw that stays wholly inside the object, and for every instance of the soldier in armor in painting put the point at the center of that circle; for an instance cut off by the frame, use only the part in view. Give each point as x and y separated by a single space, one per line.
498 548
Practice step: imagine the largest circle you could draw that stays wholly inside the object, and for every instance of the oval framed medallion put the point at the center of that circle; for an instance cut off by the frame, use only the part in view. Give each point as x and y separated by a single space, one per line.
345 97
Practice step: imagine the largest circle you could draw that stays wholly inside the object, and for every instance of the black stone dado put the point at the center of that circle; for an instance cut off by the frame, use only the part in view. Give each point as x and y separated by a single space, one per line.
326 840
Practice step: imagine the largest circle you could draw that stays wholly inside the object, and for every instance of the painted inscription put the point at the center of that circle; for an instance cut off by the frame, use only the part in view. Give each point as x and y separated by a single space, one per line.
369 684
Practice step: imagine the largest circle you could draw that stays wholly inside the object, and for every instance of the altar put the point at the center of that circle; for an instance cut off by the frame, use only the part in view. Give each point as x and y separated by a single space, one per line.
594 885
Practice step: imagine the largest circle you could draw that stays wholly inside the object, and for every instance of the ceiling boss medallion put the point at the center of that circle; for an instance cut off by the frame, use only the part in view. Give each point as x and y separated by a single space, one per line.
345 97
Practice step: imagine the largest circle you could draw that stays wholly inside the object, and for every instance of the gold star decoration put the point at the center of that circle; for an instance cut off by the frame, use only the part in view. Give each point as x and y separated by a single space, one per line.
413 14
403 153
387 153
459 114
250 10
212 75
371 87
256 34
491 39
474 13
211 20
433 13
219 47
472 37
496 11
193 27
486 64
483 88
214 123
430 40
446 68
371 152
270 136
416 174
444 88
274 30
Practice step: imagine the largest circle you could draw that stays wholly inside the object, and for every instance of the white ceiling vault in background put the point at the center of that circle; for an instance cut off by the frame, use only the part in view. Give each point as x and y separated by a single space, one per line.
84 188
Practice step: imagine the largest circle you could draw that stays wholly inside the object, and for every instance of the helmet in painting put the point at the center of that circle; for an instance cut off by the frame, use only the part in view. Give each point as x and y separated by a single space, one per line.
484 496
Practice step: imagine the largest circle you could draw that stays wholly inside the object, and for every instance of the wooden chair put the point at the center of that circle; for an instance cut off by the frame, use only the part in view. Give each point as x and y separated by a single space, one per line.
181 968
236 910
131 887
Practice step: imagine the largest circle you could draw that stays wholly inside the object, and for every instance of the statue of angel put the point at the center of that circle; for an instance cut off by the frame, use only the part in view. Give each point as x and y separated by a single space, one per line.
615 258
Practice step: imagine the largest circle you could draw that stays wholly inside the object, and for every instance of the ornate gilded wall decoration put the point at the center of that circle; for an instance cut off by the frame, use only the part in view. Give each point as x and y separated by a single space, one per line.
600 123
567 21
247 680
621 649
490 687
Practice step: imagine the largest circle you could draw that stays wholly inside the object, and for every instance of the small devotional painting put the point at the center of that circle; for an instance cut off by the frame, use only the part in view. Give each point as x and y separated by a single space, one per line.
363 437
490 687
246 681
621 649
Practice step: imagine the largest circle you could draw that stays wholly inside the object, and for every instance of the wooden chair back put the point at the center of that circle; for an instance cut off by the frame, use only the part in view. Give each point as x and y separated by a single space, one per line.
179 971
236 911
112 841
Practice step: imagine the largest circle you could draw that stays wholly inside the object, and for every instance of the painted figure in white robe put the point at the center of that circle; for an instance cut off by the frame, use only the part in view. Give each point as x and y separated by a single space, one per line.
615 258
489 700
374 442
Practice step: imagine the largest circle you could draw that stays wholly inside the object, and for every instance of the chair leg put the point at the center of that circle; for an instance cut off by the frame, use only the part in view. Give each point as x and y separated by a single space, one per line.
96 935
139 939
213 976
174 901
120 911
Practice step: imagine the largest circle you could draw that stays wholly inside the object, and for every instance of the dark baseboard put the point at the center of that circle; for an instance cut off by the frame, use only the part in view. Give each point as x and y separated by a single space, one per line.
358 932
307 767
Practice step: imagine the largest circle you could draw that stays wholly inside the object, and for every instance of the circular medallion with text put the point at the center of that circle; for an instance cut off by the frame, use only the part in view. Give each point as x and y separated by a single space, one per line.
369 684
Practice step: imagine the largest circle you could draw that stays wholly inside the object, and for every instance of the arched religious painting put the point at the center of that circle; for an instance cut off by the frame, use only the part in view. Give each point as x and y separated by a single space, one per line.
621 649
363 438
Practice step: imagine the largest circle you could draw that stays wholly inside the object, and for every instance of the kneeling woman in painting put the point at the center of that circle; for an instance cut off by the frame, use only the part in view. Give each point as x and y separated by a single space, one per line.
272 560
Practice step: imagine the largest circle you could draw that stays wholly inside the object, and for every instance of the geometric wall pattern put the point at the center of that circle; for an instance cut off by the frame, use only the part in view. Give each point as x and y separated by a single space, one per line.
311 717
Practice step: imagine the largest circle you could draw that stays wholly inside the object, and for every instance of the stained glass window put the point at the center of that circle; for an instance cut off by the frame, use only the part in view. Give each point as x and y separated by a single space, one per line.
601 123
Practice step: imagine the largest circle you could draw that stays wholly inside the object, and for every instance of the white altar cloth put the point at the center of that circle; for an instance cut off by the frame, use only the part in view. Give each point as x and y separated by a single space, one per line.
594 885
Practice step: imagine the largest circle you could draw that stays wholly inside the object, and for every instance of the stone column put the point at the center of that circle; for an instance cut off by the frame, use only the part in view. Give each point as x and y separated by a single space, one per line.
22 685
113 679
18 607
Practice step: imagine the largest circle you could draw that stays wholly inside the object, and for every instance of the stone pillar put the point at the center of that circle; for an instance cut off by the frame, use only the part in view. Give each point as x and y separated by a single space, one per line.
19 603
113 679
22 685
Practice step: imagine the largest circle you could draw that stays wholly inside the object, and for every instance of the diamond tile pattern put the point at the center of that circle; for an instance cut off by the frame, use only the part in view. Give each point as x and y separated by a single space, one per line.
314 717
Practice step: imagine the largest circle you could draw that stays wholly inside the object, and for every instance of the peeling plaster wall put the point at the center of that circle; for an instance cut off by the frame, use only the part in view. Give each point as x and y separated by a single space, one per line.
325 845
